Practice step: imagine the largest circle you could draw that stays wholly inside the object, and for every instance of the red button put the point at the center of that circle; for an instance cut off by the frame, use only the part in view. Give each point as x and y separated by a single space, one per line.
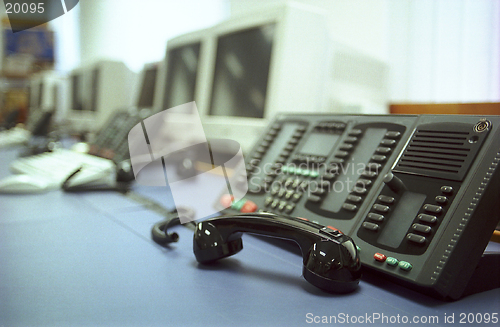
379 257
249 206
226 200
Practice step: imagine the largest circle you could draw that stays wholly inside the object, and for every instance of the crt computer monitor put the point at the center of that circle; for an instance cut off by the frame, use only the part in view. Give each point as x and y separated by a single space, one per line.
281 59
95 92
259 64
46 93
181 80
146 88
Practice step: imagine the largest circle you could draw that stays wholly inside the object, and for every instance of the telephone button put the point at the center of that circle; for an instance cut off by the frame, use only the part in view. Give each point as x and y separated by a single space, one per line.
369 174
314 198
296 197
447 189
274 204
351 139
341 154
383 150
288 194
355 132
375 217
346 147
301 129
282 205
421 228
386 199
272 132
268 201
387 142
257 155
370 226
415 238
379 158
392 134
379 257
289 208
285 153
391 261
276 126
374 166
354 198
336 162
349 207
226 200
249 206
404 265
441 199
318 191
427 218
289 147
380 208
363 182
433 208
359 190
238 204
328 176
281 192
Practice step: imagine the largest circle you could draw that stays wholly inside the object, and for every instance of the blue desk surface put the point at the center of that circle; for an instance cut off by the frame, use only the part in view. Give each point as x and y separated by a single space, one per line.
88 260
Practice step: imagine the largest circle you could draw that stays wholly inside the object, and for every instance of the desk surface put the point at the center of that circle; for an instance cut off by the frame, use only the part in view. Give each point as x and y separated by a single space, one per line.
88 260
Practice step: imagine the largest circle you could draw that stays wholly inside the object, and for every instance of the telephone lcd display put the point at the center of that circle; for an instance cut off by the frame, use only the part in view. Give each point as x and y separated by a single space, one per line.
319 144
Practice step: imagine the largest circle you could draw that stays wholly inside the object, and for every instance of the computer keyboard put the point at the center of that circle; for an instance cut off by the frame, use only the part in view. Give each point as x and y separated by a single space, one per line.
55 167
14 136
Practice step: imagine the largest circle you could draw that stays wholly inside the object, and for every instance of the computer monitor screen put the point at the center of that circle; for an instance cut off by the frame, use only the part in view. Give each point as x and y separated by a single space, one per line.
146 96
241 72
40 94
182 71
76 92
94 89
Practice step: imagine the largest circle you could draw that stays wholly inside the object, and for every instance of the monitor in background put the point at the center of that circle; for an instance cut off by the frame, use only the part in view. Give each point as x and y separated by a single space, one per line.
241 73
147 87
95 92
46 94
282 59
181 79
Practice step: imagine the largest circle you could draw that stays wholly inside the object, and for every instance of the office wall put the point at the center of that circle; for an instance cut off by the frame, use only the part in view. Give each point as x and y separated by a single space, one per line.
136 32
444 51
437 50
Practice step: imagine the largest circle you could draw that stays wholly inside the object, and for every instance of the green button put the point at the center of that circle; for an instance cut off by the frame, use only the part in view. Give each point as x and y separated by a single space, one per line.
284 169
406 266
358 248
314 174
299 171
291 170
392 261
306 172
238 204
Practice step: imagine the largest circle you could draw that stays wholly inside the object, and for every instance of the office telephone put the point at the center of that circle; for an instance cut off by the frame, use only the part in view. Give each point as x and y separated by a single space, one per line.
418 194
111 142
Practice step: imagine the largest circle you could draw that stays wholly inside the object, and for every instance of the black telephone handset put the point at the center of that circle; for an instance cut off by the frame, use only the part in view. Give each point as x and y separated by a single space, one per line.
330 258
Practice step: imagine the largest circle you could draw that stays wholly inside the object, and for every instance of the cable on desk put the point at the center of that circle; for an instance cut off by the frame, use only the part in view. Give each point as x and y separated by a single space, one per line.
159 231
